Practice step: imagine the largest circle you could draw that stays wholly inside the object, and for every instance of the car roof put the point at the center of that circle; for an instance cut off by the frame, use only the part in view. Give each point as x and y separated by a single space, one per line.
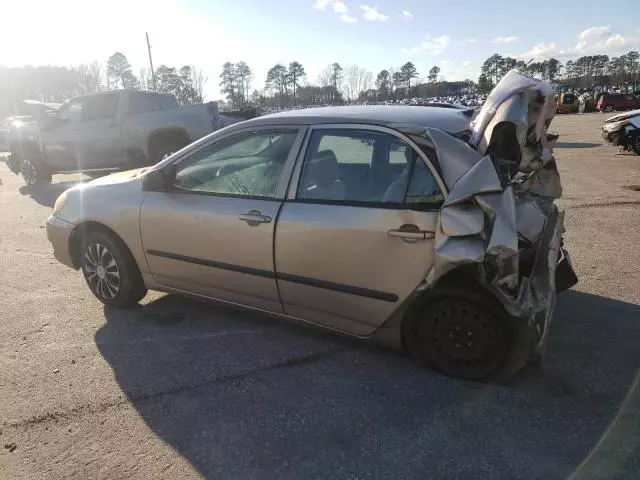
451 120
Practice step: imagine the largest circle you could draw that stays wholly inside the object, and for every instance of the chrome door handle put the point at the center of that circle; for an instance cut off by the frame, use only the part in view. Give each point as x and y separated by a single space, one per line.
254 218
414 235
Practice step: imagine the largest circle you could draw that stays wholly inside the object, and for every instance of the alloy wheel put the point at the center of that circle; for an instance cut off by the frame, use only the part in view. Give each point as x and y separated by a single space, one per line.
166 155
29 172
101 271
464 341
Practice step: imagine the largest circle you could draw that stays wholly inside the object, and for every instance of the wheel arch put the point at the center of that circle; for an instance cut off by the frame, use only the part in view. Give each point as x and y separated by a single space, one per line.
83 229
161 134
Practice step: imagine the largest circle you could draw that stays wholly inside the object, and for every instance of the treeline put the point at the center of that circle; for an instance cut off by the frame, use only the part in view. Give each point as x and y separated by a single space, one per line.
584 72
51 84
286 85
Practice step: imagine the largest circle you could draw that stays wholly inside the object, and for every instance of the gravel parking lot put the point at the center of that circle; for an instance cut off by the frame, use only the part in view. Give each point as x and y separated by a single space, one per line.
184 389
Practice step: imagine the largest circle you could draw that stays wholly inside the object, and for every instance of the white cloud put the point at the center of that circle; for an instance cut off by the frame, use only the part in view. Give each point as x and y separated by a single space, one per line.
436 46
372 15
466 63
406 15
446 62
346 18
505 40
339 7
321 4
601 39
540 50
471 40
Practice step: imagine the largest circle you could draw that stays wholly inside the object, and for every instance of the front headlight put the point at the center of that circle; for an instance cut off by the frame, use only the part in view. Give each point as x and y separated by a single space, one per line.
61 202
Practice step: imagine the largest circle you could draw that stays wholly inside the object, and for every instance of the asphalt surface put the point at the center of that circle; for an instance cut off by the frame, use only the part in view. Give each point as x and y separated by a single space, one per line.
184 389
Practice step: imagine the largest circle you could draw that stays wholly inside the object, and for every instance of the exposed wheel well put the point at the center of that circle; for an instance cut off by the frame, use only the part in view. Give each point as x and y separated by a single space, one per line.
462 281
175 136
81 231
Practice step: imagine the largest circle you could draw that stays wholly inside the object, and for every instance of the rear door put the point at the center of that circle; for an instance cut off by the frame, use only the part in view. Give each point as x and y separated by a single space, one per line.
98 137
348 253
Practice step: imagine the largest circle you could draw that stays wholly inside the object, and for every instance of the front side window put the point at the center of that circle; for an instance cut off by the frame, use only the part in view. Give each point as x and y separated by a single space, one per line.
368 168
100 107
247 164
71 112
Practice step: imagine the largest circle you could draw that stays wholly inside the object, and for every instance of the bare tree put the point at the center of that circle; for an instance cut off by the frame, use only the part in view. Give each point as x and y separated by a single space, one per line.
325 77
95 70
198 81
357 80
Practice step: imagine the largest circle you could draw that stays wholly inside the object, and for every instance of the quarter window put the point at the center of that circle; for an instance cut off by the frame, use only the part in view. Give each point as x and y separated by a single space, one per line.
244 165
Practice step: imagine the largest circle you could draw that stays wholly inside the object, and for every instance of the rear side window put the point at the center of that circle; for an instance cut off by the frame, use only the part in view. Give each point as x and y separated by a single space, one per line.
143 102
100 107
365 168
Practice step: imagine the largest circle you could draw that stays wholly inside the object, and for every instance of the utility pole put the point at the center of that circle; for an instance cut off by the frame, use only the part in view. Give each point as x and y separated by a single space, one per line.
153 73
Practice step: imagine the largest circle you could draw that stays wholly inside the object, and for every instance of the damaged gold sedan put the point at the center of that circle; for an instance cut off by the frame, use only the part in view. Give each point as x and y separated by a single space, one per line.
399 224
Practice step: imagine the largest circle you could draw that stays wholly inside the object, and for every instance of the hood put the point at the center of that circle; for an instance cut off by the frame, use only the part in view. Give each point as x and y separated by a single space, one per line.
622 116
115 178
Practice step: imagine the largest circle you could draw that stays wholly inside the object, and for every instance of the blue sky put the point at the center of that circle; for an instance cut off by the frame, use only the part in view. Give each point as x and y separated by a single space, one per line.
456 36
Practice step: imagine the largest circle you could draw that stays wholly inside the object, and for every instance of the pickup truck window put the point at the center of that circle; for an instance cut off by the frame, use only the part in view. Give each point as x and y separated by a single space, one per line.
71 112
168 102
140 102
98 107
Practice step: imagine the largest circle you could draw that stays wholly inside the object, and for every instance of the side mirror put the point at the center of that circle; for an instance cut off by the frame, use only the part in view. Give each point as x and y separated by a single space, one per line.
159 180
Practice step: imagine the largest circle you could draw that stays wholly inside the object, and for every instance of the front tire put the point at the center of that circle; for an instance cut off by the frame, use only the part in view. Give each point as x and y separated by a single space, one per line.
111 271
634 142
468 338
34 173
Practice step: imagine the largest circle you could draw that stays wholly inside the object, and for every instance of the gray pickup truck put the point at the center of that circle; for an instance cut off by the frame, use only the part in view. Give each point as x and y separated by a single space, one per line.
118 129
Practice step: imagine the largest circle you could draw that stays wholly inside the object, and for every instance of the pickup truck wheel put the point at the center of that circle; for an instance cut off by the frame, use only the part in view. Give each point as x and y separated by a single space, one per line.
635 142
608 108
34 173
468 338
110 271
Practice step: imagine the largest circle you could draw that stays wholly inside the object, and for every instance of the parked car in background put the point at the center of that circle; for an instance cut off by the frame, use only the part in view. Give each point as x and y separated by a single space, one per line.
114 129
609 102
365 220
623 130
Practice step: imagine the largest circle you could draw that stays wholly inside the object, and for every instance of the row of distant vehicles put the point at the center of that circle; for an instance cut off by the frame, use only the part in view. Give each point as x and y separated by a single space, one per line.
601 101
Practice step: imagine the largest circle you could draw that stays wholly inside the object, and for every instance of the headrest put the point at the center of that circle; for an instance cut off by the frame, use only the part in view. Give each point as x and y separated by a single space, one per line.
323 169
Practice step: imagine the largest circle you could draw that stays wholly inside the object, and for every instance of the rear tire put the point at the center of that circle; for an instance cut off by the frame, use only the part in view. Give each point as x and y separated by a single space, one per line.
608 108
468 336
110 270
34 172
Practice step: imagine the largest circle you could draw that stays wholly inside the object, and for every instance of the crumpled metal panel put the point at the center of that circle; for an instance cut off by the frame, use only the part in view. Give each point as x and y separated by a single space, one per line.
500 207
481 178
459 156
462 220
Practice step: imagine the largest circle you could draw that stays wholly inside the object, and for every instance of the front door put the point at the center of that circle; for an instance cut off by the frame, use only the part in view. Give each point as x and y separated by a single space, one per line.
212 233
351 248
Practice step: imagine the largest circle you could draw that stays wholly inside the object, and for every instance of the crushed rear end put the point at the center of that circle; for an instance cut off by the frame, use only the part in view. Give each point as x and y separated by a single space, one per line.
500 213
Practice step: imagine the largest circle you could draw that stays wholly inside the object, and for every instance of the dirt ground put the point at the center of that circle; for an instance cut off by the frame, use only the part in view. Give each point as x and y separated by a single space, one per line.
183 389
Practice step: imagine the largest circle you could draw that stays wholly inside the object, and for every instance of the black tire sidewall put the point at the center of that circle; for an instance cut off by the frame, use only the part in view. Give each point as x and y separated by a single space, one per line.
634 138
132 288
43 175
518 336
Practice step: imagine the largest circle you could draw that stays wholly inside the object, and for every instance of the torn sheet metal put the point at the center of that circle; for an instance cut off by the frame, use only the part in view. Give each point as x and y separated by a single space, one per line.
500 211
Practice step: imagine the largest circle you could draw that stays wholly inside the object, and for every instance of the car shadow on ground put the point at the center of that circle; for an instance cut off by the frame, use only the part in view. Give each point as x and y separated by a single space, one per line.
245 396
576 145
47 194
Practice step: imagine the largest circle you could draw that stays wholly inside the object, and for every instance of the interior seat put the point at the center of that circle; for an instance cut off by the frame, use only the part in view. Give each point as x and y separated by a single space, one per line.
321 180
